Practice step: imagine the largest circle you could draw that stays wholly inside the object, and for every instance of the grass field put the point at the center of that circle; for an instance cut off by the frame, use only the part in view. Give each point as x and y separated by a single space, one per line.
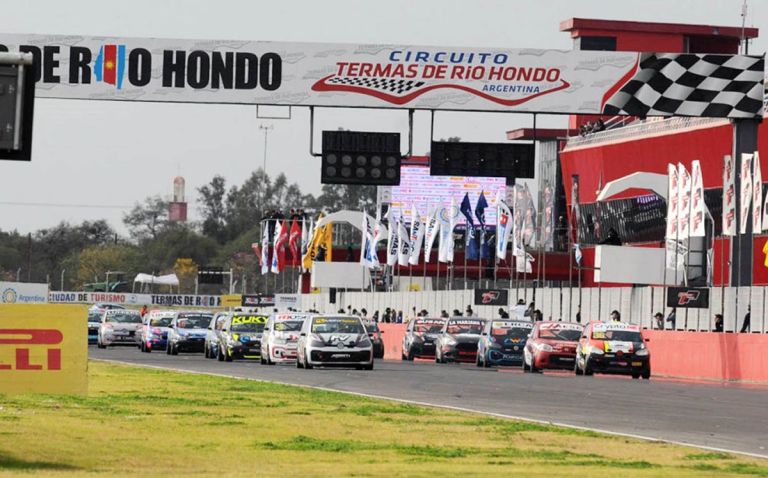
162 423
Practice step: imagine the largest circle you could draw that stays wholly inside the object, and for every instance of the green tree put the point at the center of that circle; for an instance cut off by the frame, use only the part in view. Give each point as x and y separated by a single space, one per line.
148 219
94 261
212 208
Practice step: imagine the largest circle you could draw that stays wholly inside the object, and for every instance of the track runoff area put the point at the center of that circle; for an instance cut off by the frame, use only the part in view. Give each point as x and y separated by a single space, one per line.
714 416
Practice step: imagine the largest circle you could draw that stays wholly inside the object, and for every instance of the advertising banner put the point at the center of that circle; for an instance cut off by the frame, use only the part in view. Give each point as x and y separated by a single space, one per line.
257 300
492 297
746 191
683 201
393 76
169 300
43 349
688 297
286 301
757 194
729 196
697 223
23 293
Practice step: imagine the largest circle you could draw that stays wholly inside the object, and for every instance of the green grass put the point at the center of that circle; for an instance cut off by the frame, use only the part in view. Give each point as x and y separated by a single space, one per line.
148 422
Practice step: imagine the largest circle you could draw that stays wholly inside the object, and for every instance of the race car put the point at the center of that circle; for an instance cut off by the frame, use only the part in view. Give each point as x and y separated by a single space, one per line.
240 336
153 333
94 321
281 337
374 333
211 346
334 340
118 326
552 345
100 307
615 348
458 340
420 337
187 332
502 342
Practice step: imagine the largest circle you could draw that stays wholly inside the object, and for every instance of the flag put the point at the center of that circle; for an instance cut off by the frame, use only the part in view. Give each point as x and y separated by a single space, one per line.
447 217
672 198
313 246
575 209
293 242
275 268
368 255
378 229
518 211
696 227
393 243
529 224
577 254
325 248
757 194
482 204
470 245
431 230
503 227
598 225
404 242
683 201
257 251
729 196
110 65
265 248
746 191
305 235
523 261
417 235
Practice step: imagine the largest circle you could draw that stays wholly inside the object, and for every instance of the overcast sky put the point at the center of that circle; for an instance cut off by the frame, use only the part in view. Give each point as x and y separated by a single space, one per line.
93 159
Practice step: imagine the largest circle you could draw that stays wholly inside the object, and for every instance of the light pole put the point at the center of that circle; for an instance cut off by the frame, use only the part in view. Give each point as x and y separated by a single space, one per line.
266 129
62 278
18 274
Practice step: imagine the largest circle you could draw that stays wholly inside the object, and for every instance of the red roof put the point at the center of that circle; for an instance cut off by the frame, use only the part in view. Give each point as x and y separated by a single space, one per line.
651 27
541 134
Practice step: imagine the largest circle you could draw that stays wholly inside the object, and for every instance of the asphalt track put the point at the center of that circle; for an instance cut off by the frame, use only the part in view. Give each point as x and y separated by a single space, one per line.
719 416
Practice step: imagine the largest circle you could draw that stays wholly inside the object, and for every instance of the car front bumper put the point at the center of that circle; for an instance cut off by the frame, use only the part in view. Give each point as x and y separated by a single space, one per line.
282 353
193 345
505 357
620 365
329 356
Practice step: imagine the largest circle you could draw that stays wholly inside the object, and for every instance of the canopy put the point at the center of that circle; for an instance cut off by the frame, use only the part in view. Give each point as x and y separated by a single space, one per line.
169 279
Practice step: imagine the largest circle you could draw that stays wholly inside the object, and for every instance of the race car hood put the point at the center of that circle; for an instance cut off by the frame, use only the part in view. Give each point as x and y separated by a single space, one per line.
193 333
125 327
333 340
559 344
465 338
614 346
245 337
287 336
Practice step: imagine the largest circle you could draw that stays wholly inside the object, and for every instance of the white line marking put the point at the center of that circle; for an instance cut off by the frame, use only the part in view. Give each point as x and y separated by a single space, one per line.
446 407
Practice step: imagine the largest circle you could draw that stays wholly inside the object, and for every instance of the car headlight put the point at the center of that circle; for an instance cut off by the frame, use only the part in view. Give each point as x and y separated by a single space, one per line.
546 348
449 341
316 341
596 351
642 353
364 342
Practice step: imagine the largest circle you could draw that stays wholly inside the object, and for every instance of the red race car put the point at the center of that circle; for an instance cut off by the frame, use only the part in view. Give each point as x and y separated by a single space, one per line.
551 345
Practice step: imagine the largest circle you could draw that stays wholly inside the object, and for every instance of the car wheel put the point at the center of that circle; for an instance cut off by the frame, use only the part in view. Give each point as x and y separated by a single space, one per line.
262 360
299 361
307 365
410 356
477 361
587 370
100 345
228 357
174 350
168 348
205 351
486 363
525 365
369 366
646 373
576 367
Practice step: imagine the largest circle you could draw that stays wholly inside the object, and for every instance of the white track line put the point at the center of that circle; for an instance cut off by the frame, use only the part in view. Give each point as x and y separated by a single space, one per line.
446 407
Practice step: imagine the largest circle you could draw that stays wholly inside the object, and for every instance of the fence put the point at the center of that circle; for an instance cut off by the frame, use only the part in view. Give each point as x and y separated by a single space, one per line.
637 305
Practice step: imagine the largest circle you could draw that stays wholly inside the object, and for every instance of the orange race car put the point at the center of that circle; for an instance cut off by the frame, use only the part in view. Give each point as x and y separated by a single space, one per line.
551 345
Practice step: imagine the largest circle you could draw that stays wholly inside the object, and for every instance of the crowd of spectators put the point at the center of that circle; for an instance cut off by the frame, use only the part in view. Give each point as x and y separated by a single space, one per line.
591 127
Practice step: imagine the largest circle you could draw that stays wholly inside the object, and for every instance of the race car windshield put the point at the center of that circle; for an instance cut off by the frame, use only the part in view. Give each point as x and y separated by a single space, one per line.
161 322
372 327
248 327
193 322
125 318
337 326
618 335
94 317
558 334
510 333
427 328
455 328
289 326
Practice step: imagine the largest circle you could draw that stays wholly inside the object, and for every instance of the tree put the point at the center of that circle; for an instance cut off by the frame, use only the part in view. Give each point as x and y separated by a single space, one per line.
148 219
335 197
177 241
212 208
94 261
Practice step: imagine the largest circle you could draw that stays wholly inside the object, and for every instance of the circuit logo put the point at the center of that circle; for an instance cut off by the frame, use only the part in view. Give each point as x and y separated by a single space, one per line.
490 296
687 296
24 340
9 296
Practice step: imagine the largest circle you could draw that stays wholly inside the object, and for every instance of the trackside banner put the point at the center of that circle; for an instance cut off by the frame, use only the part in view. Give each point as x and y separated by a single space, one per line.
393 76
170 300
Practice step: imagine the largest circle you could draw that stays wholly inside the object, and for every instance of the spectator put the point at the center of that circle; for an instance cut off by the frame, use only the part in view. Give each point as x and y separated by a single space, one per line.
341 311
520 309
143 311
456 313
399 319
364 312
672 318
578 314
444 314
375 316
529 310
355 312
718 322
469 312
537 316
659 317
746 326
503 314
615 316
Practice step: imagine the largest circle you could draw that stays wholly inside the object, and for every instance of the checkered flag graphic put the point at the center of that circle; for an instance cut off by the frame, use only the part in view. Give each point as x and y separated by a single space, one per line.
389 85
715 86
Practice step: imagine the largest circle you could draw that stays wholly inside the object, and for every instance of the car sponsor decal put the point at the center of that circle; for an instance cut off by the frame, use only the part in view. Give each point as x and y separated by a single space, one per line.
614 346
511 324
465 322
249 319
604 327
561 326
430 321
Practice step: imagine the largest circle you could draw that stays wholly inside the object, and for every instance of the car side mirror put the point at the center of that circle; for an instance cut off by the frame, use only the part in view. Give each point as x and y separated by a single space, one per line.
370 335
303 334
381 331
647 340
170 326
583 336
484 334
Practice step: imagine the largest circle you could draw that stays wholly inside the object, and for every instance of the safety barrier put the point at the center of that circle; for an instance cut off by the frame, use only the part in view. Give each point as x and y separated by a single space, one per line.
637 305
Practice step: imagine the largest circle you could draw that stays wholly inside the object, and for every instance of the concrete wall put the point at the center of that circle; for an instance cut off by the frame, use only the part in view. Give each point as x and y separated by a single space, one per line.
636 304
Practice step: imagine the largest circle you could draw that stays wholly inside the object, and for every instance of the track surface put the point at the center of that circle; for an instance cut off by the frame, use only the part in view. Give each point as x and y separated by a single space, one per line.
727 417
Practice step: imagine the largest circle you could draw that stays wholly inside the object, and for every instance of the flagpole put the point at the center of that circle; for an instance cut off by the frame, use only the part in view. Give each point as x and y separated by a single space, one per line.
466 249
570 264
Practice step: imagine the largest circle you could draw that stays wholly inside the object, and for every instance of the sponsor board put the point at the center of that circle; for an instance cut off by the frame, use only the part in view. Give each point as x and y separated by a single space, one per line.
285 301
257 300
492 297
688 297
42 350
170 300
393 76
23 293
231 300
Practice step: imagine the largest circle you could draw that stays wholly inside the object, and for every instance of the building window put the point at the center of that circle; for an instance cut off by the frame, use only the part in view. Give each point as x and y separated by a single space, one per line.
597 43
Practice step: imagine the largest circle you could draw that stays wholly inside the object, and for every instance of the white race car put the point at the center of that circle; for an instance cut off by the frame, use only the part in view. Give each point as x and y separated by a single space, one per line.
118 326
281 337
334 340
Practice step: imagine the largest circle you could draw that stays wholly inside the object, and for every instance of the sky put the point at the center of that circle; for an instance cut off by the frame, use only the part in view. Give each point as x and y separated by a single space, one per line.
94 160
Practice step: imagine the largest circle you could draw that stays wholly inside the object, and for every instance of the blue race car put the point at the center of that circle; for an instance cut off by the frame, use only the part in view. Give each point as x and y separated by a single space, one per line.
94 321
503 342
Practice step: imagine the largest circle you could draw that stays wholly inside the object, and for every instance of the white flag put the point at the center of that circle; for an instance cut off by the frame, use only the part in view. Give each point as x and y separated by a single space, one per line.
523 261
746 191
393 244
672 204
503 227
265 248
757 194
275 238
417 235
404 252
683 201
698 208
368 255
430 234
729 196
447 222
